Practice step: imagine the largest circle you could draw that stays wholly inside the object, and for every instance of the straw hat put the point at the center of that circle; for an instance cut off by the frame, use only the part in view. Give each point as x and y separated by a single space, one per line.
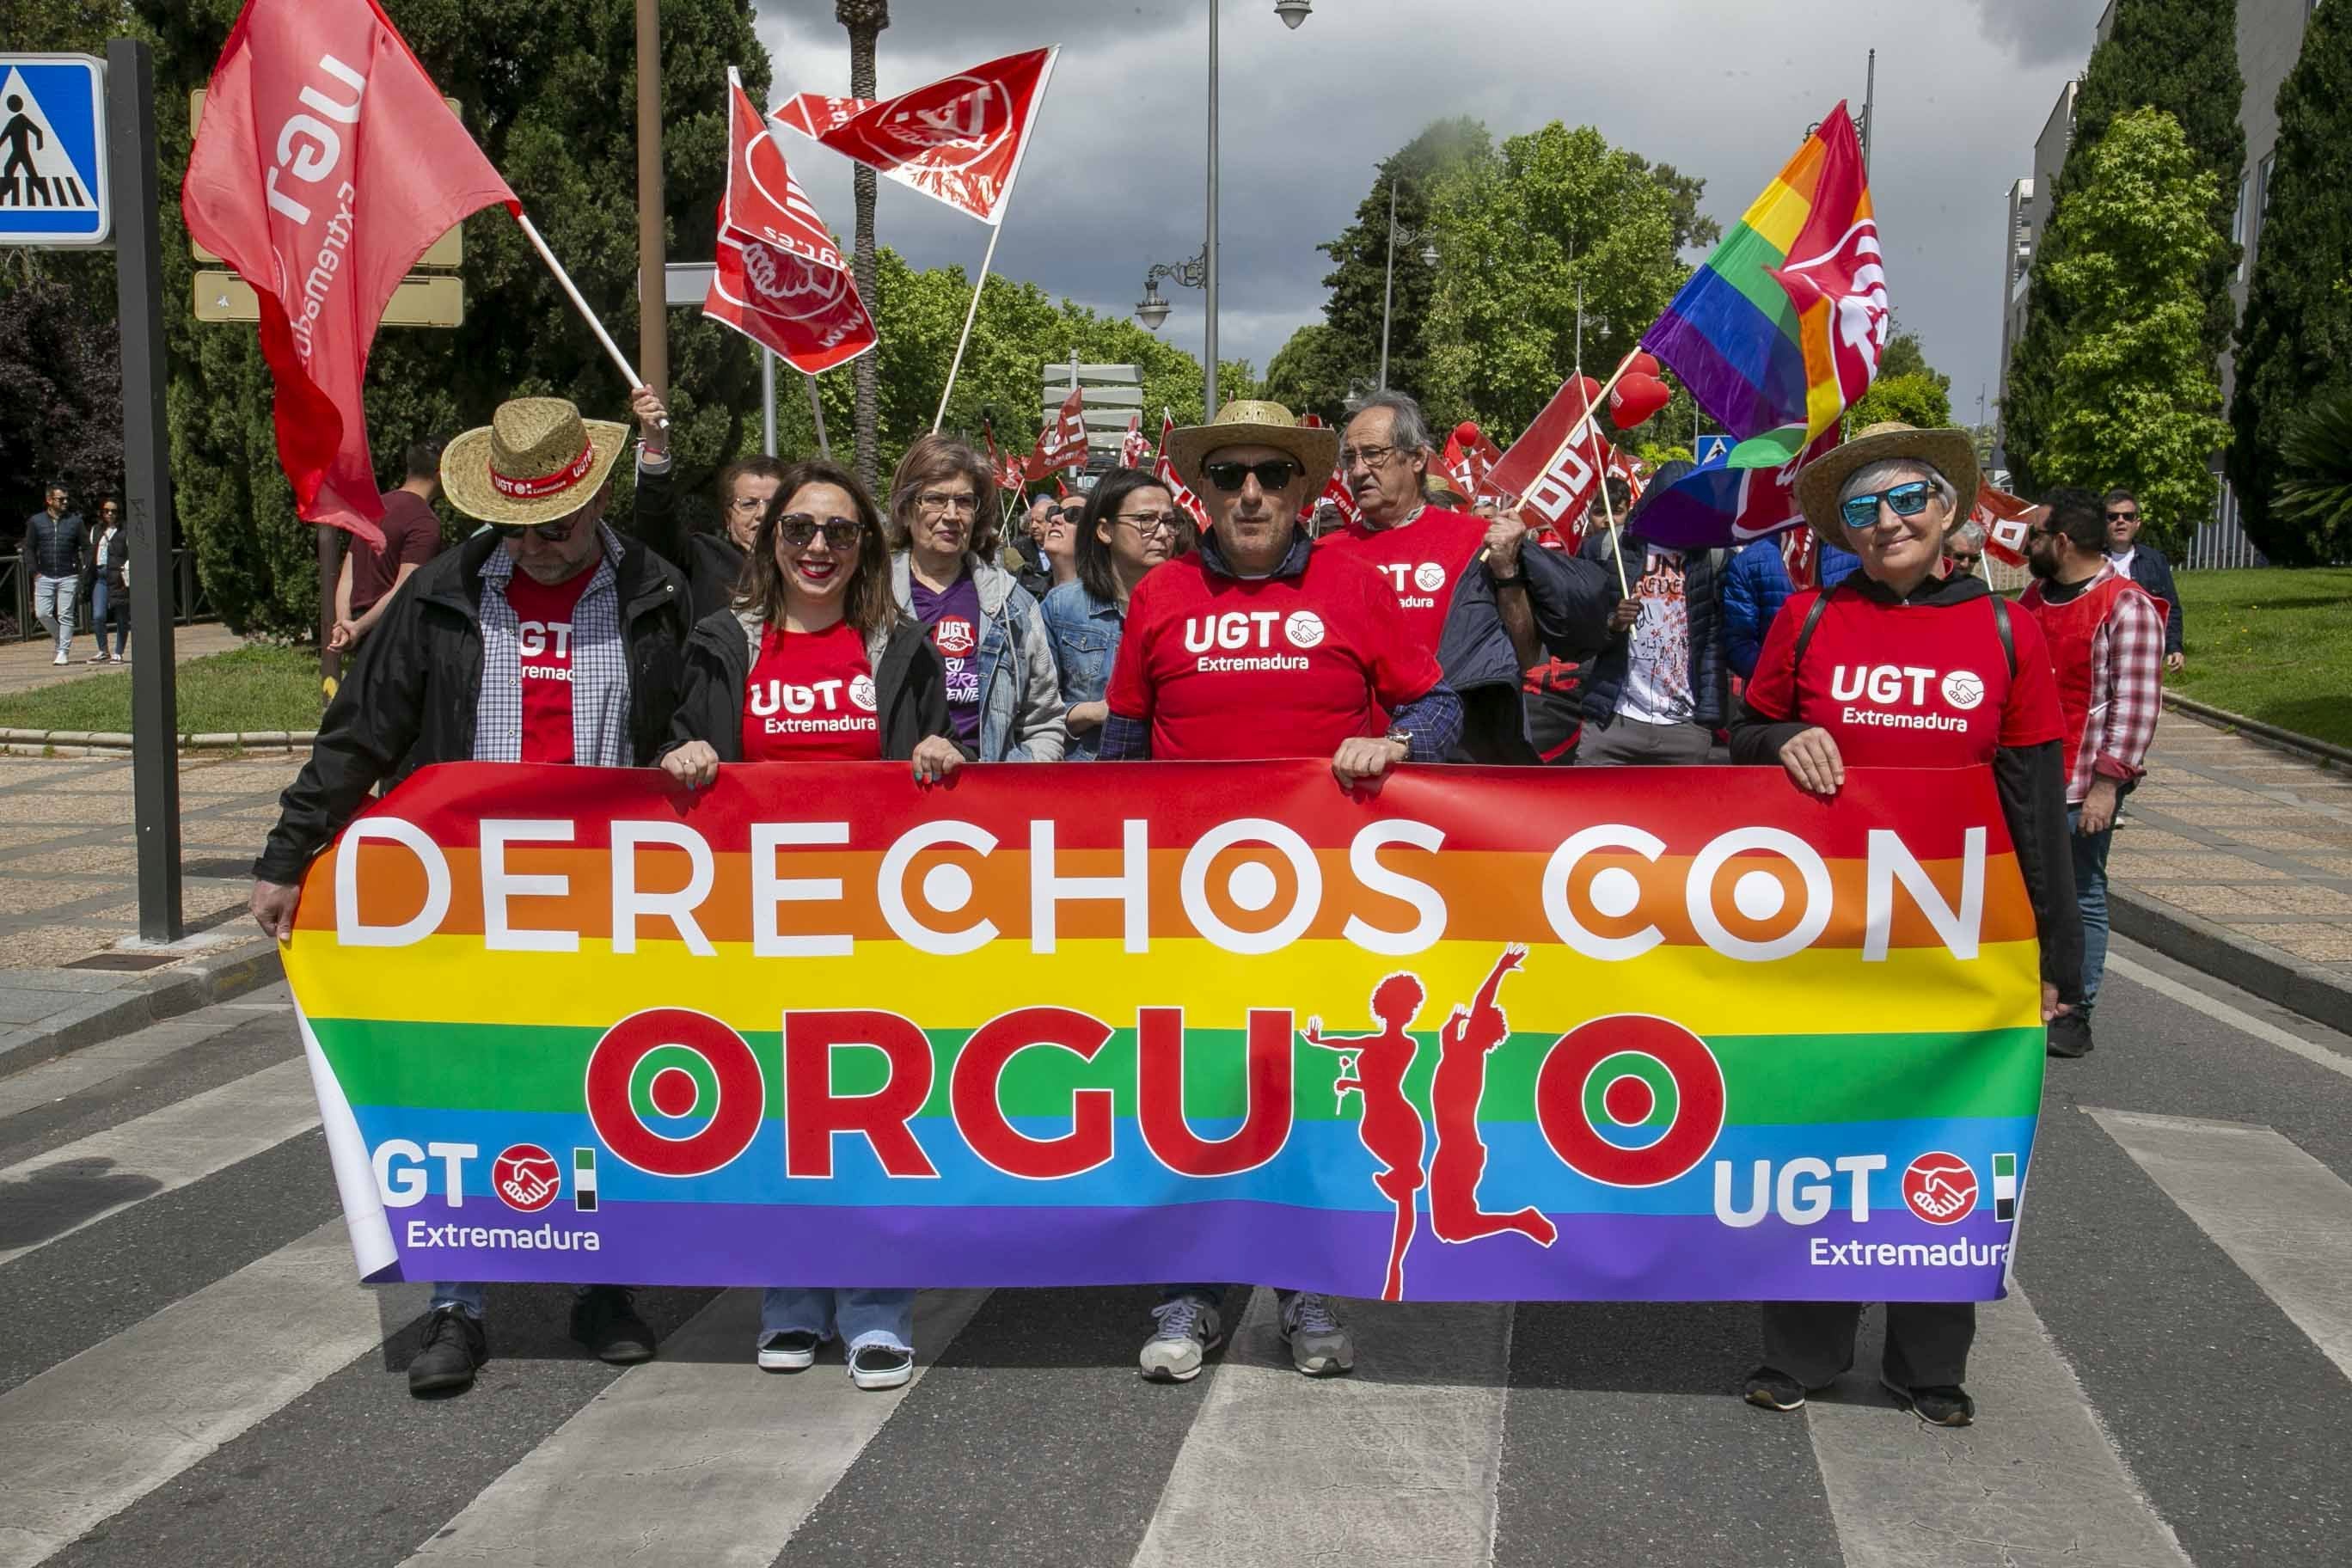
1951 453
536 462
1250 423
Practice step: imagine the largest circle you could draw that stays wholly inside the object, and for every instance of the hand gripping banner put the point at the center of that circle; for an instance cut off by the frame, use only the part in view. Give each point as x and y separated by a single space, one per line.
1485 1033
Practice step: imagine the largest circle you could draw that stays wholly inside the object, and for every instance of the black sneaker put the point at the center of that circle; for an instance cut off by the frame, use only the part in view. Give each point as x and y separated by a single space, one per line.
453 1348
1769 1388
880 1366
605 1320
1944 1404
2070 1034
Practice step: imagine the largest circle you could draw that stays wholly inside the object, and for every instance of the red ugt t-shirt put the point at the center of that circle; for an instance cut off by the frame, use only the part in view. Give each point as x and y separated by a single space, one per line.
1420 561
1909 686
1225 669
811 698
546 646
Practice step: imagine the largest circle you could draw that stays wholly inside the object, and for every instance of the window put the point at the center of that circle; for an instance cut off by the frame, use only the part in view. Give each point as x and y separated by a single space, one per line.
2238 225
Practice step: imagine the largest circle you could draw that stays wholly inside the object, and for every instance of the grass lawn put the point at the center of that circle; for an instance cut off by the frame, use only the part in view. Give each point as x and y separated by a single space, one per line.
256 688
2273 644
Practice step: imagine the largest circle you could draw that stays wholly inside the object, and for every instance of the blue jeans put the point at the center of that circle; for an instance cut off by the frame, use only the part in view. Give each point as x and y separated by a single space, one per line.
103 603
2090 897
53 607
861 1318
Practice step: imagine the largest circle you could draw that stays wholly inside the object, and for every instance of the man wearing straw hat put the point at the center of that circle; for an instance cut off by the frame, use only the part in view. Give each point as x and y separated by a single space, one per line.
545 637
1259 645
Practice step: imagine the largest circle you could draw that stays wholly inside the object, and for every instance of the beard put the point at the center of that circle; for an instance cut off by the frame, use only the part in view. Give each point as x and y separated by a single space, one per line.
2043 562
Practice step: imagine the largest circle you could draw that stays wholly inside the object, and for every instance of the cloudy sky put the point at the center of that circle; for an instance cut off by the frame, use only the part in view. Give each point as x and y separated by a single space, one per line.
1721 88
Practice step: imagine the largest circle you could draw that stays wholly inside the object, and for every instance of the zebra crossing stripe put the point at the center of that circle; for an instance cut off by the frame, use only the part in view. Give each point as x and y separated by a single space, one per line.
756 1452
2281 1215
93 1435
2237 1018
183 1142
1398 1464
2048 1487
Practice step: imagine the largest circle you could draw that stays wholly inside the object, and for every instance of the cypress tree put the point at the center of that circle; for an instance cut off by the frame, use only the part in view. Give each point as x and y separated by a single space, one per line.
2179 56
2294 347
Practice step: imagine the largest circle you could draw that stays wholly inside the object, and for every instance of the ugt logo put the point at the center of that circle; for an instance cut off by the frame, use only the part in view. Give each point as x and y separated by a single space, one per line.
526 1177
1941 1188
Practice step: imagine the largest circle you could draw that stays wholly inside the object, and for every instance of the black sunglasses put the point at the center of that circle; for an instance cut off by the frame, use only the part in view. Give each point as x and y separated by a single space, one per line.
1272 474
798 531
2123 517
554 532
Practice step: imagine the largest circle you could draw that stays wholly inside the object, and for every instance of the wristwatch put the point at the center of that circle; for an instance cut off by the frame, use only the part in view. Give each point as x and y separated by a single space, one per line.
1403 737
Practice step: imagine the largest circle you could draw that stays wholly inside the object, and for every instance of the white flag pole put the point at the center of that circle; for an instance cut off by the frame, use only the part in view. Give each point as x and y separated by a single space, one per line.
768 401
996 232
611 349
816 407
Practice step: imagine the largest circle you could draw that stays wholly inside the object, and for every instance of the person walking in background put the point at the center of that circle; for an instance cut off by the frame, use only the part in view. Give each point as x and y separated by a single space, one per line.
1661 684
53 549
1004 692
2146 565
711 558
108 577
2106 640
1130 526
411 536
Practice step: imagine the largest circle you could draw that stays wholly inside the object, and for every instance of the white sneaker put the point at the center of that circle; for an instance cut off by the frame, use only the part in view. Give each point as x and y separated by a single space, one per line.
61 658
793 1352
872 1367
1319 1345
1188 1330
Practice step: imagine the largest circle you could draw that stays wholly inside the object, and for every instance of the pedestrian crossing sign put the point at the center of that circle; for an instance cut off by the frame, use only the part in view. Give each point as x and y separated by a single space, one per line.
53 151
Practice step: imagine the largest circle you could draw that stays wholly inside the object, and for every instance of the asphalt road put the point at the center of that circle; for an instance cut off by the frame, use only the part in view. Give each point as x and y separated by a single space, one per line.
190 1377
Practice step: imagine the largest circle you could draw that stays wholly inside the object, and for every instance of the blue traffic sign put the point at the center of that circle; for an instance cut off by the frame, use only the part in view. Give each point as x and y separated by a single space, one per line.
1714 451
53 151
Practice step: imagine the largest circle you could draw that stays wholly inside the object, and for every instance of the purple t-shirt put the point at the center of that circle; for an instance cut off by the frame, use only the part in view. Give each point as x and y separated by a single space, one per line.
953 620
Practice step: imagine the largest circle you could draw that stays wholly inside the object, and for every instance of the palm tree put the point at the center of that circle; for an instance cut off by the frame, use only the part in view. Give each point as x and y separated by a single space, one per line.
865 19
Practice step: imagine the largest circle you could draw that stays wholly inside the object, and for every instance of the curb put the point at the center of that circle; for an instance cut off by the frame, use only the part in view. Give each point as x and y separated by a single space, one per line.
217 977
2321 752
85 742
2301 987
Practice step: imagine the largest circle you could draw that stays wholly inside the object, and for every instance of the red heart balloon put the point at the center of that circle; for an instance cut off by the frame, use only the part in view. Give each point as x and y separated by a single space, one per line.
1642 364
1636 399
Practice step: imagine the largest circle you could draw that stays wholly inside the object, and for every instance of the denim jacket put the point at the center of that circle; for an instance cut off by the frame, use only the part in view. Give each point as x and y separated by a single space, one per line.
1086 632
1020 691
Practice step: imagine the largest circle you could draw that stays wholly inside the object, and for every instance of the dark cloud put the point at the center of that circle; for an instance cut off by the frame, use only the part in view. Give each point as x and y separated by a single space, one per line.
2037 31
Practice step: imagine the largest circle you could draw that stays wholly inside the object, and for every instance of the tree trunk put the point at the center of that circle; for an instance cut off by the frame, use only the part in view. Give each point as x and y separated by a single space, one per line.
865 19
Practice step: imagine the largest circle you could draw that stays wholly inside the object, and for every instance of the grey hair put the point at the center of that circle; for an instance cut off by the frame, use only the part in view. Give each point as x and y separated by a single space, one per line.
1970 531
1409 431
1890 471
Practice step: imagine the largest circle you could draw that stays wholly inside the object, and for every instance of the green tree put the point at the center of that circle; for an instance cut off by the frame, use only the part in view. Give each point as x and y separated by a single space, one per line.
2294 347
1314 372
1912 396
1518 232
2180 57
2135 399
1904 356
2314 491
540 87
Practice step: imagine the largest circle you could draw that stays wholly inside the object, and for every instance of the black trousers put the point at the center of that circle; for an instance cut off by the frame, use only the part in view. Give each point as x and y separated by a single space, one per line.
1926 1342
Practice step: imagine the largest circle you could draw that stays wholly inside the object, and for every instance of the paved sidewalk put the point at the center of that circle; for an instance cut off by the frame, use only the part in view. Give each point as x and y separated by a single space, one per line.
27 665
2237 857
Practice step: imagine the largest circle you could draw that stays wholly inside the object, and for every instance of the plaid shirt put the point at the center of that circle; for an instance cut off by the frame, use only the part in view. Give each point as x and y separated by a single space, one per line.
600 667
2126 693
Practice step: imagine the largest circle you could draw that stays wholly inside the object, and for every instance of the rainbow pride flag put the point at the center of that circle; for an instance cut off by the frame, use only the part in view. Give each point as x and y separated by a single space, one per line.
1780 331
1486 1034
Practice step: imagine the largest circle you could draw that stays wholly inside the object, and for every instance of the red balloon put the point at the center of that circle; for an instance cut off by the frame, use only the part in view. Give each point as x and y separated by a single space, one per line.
1636 399
1642 364
1468 433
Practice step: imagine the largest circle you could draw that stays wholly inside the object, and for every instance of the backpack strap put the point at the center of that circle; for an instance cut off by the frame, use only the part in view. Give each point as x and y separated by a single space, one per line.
1813 619
2008 637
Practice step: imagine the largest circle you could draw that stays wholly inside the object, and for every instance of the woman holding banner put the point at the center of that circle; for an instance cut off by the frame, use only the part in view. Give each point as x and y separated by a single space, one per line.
815 662
1130 526
1975 687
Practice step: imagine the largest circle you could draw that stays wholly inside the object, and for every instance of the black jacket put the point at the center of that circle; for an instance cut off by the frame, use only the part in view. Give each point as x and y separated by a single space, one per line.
2030 781
711 562
1569 601
118 562
910 689
2152 571
410 699
56 546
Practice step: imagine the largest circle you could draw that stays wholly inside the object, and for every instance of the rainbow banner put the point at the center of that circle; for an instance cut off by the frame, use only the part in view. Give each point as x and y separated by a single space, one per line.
1485 1033
1780 331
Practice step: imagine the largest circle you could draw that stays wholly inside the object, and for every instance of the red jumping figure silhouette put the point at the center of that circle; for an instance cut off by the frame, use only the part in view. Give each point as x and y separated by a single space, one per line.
1454 1095
1390 1127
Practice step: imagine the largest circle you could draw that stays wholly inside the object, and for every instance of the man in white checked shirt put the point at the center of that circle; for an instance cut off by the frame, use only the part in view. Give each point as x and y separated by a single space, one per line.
2106 639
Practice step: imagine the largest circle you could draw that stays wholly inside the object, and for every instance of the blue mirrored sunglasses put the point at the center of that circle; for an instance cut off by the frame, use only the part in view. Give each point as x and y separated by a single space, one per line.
1904 501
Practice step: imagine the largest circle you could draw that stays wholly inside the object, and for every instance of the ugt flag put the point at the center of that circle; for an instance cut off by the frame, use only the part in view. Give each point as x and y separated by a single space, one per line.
958 140
1555 466
1061 444
326 164
780 280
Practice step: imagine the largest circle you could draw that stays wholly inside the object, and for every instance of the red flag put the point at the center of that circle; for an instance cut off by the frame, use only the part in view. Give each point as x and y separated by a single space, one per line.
2007 521
1178 491
1468 466
1797 555
780 280
1553 468
958 139
1135 448
326 164
1061 444
1006 471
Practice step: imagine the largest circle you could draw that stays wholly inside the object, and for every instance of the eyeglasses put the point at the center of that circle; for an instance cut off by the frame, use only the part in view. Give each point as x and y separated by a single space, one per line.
1073 513
1271 475
746 504
798 530
1964 563
1370 456
947 501
1151 523
1903 501
554 532
2123 517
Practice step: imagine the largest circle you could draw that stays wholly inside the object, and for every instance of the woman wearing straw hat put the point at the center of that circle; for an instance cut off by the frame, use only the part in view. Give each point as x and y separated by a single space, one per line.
546 637
1975 687
815 662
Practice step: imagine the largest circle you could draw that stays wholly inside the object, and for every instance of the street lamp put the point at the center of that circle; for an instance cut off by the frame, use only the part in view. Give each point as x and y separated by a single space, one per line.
1388 289
1151 310
1292 12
